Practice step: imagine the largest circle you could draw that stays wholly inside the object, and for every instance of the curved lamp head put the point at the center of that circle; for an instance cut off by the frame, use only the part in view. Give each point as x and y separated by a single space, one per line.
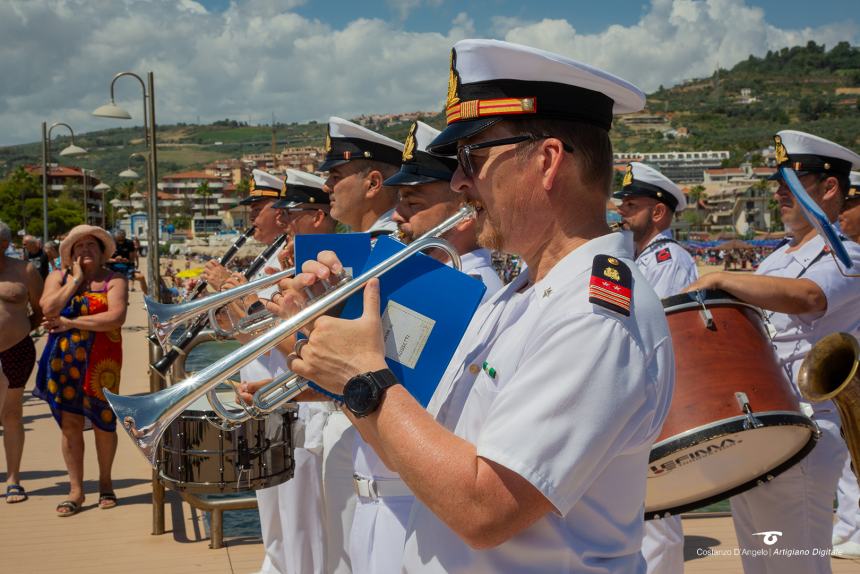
72 150
102 187
112 110
129 174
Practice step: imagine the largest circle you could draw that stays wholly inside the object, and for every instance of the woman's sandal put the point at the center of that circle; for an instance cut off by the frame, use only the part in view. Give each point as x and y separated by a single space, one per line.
68 508
107 500
17 492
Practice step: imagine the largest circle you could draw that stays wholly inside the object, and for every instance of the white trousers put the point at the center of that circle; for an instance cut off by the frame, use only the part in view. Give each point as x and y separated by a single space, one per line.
847 527
291 520
379 534
338 493
798 504
663 545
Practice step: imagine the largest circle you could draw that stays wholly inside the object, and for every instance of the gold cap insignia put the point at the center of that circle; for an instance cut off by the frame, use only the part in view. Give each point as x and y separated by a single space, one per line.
453 82
409 146
252 185
327 142
612 274
781 153
612 261
628 176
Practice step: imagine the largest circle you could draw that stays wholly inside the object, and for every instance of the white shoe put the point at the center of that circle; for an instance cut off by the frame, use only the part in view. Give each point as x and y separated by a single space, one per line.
848 550
837 539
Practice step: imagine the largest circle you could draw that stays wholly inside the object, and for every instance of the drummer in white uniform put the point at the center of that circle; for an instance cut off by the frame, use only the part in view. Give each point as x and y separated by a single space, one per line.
426 199
531 453
265 190
806 297
649 201
846 531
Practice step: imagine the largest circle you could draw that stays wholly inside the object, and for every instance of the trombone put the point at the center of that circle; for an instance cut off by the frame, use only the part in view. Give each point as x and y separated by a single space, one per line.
146 418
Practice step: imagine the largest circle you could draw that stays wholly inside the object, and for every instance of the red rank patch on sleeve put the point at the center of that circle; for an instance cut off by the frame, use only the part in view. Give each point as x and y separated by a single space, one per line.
664 255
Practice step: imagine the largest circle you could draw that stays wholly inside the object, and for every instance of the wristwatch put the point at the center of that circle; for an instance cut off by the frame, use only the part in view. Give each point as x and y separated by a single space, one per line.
363 393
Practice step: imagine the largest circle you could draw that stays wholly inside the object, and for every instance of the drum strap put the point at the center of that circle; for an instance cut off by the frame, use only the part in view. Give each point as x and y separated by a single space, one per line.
651 246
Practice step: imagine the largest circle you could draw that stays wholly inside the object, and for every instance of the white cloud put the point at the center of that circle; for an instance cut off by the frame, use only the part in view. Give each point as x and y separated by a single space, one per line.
258 57
677 40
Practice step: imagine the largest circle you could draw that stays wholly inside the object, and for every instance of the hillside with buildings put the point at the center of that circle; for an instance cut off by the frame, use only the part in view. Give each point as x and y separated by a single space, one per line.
712 135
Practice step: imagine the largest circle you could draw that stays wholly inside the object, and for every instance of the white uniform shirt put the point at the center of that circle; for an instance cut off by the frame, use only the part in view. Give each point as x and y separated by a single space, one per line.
384 223
479 264
579 395
264 366
796 334
667 266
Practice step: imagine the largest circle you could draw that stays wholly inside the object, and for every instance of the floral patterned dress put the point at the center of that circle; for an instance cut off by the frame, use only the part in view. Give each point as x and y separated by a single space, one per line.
77 365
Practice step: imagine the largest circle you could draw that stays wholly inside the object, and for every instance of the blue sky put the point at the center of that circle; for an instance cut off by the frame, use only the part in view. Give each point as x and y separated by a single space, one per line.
309 59
583 14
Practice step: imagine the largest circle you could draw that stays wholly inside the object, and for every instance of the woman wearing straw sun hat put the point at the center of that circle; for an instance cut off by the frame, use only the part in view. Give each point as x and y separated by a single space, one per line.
84 305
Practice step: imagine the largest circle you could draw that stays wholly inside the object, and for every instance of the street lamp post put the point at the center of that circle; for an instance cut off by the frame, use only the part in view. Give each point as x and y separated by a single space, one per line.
111 110
69 151
103 188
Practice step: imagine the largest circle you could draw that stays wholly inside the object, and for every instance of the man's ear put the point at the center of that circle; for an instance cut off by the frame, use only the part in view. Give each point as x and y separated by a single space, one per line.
552 157
831 187
373 182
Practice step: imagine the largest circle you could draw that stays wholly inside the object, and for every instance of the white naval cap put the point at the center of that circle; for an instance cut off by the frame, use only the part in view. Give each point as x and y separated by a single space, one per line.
263 185
346 141
491 80
645 181
809 153
302 187
420 166
854 188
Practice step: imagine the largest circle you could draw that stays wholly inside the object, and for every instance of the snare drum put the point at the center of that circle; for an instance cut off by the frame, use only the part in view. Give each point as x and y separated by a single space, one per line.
199 457
735 422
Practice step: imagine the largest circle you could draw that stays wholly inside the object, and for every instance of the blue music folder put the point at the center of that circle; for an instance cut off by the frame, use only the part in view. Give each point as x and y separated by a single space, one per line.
426 307
352 249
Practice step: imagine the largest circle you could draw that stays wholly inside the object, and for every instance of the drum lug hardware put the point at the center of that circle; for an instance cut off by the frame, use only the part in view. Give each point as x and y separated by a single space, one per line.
705 313
744 403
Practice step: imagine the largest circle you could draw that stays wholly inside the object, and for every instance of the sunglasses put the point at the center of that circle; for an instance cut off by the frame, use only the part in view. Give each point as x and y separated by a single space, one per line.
464 152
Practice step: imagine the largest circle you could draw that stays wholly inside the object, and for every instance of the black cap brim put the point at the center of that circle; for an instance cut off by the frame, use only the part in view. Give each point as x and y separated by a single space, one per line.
254 199
776 176
285 204
330 163
446 142
404 178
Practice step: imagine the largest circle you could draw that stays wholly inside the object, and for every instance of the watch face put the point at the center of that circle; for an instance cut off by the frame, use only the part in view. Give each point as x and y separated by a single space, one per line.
360 395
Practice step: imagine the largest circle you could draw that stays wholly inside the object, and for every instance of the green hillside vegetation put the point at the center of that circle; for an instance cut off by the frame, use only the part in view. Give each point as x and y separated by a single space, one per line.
793 88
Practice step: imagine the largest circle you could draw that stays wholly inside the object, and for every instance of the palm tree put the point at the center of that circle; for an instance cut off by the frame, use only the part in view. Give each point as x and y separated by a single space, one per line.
204 191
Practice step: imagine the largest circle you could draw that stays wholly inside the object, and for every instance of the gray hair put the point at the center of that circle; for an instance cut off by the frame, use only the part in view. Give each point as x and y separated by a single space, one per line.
5 232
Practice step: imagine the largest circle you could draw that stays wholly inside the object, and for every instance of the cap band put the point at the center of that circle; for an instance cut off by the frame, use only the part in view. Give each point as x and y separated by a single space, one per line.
346 149
650 190
520 97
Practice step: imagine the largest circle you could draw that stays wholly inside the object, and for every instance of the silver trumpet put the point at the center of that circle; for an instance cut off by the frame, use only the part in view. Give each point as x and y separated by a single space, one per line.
166 318
146 418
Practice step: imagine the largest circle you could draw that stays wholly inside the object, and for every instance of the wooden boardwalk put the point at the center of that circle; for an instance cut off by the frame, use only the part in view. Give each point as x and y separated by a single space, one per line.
34 540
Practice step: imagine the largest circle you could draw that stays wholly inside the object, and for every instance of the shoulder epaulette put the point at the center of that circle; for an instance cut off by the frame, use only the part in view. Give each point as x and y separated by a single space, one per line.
611 284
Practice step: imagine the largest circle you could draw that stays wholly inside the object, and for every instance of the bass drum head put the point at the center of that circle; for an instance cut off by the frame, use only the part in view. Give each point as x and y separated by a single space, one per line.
715 462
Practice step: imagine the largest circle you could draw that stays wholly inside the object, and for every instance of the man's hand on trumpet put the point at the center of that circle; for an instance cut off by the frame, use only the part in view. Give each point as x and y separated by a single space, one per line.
336 349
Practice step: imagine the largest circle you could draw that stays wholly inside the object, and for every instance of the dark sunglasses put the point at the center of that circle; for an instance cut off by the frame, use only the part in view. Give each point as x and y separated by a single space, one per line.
464 152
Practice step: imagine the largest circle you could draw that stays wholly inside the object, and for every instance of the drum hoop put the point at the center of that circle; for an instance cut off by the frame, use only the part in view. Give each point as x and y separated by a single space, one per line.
727 426
799 420
711 304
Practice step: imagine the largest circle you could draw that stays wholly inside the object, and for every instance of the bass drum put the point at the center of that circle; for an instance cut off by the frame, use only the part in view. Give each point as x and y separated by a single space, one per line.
735 421
197 456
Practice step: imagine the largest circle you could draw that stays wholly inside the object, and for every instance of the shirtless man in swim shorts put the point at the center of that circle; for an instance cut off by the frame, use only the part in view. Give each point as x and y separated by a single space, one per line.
20 285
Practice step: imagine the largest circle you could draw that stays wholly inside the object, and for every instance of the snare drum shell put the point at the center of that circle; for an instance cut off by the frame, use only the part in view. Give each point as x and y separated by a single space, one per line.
712 364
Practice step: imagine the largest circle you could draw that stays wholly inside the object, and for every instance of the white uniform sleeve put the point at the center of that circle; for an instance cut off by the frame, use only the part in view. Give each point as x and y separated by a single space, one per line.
840 291
670 277
584 394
